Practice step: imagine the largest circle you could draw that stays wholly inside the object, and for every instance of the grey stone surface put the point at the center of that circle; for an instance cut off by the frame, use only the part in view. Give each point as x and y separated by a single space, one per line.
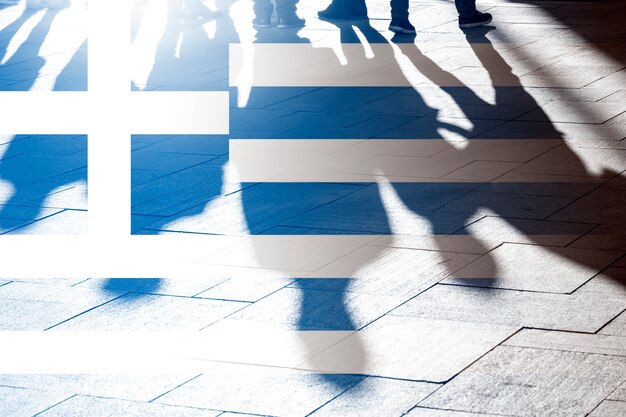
259 391
393 271
324 309
22 402
35 306
610 409
177 285
610 281
619 394
583 313
412 348
532 382
377 397
569 341
616 327
602 206
84 406
534 268
153 312
523 206
433 412
65 222
130 387
245 289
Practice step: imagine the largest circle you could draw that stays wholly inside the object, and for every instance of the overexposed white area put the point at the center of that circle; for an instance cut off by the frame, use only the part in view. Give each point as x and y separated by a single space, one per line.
66 34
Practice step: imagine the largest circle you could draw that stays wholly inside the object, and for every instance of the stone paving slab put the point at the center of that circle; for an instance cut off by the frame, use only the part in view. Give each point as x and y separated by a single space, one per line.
377 397
64 222
551 270
22 402
599 205
80 405
290 253
412 348
245 289
571 342
514 308
433 412
610 281
509 379
30 306
392 272
619 394
260 392
153 312
145 387
616 327
320 309
609 409
191 287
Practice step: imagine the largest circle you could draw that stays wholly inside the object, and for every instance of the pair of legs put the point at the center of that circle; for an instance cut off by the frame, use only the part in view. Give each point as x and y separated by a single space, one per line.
285 11
355 9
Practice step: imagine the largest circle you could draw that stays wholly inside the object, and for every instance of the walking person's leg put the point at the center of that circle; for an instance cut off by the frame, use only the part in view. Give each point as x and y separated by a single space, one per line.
286 12
400 17
262 13
469 16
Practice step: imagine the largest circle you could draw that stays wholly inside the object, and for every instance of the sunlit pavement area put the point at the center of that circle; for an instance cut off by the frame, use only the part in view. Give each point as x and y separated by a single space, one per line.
429 225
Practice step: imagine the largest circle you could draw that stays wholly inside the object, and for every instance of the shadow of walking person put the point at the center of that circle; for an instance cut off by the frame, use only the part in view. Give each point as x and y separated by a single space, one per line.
20 68
175 177
557 170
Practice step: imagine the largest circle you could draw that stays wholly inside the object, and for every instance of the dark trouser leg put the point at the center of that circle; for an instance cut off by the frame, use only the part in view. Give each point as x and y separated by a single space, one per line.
285 8
465 8
400 9
263 9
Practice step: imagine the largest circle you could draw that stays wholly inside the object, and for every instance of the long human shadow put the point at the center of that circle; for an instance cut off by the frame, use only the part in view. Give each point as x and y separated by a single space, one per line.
324 302
276 208
175 177
20 71
34 166
593 212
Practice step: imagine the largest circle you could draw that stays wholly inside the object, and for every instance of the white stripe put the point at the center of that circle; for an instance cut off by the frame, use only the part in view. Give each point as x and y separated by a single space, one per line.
186 256
111 352
372 160
147 112
401 347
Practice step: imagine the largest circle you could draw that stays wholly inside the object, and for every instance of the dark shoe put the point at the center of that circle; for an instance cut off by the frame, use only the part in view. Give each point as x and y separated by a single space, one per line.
399 25
262 22
289 22
477 19
337 13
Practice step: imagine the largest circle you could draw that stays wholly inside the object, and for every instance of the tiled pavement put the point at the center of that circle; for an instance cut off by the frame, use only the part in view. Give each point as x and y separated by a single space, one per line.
428 226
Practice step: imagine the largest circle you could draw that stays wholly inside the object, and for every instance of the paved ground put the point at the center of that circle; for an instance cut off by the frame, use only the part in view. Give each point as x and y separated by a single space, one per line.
424 226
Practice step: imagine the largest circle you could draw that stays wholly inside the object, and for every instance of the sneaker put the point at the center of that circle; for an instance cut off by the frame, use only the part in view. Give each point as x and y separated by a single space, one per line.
477 19
289 22
399 25
262 22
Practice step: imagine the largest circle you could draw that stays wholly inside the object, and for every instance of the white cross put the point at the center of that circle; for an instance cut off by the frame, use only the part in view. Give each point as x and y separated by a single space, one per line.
108 113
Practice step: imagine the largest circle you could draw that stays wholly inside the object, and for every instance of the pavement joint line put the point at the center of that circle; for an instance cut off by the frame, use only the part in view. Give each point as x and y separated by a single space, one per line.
170 390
